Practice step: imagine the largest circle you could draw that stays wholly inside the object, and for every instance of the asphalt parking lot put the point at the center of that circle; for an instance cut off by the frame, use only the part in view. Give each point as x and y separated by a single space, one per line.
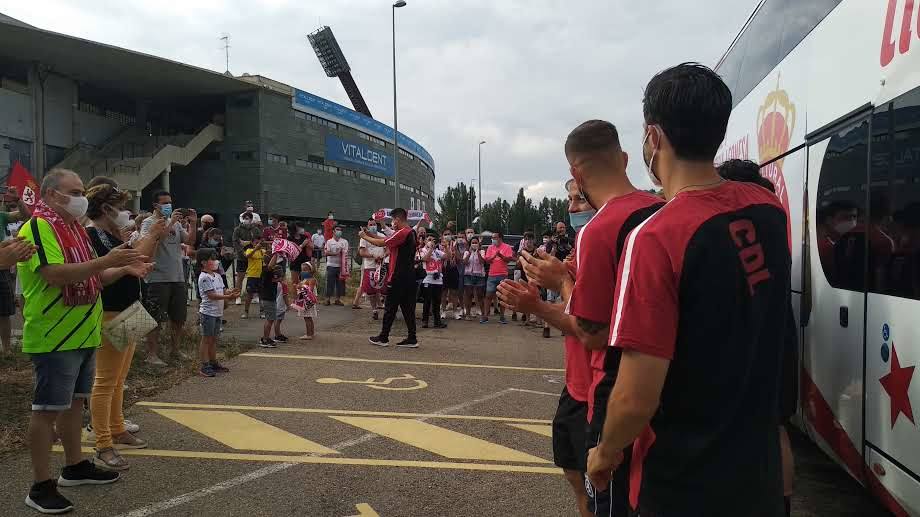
336 427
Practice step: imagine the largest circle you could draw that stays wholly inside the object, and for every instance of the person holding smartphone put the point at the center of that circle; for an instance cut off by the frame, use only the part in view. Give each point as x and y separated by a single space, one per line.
432 257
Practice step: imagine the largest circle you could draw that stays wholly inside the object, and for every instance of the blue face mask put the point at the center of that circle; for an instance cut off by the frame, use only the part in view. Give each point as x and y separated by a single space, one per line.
166 208
579 219
305 276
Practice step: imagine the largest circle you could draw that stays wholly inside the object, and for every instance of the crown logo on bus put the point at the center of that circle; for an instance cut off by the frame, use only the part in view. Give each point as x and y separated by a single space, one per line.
775 124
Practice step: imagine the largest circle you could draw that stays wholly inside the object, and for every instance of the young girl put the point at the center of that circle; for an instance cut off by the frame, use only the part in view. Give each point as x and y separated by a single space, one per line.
474 279
305 303
211 311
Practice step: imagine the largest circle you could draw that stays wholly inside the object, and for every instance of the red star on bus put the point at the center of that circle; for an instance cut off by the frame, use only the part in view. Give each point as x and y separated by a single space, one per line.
896 383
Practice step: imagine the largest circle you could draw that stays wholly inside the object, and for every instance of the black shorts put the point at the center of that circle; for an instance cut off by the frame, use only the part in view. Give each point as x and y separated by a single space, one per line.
570 433
241 264
614 500
7 298
253 285
451 278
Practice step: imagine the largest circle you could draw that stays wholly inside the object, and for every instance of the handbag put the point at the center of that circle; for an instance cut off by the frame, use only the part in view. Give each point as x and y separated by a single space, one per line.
130 325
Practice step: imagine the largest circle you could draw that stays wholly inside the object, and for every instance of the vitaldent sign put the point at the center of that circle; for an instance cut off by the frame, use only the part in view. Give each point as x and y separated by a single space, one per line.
360 155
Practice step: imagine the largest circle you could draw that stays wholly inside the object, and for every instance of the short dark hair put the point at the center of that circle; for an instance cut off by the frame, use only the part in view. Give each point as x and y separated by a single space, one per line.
499 233
745 171
548 233
691 104
835 207
205 254
593 136
528 235
247 215
399 213
160 193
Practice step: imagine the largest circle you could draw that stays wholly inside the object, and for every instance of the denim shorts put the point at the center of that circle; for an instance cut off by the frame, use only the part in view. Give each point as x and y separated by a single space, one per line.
210 325
492 284
474 281
61 377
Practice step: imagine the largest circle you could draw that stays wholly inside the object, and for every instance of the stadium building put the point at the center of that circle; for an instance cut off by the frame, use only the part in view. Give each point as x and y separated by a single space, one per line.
213 140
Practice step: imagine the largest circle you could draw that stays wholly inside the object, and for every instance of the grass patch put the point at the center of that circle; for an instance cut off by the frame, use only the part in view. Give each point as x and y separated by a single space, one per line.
144 381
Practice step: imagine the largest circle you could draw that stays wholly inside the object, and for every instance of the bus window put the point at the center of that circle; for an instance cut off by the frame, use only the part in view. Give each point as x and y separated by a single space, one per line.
841 207
894 205
762 40
801 18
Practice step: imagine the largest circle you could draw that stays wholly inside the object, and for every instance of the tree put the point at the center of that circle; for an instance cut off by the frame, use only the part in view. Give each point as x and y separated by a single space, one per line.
456 204
523 216
495 215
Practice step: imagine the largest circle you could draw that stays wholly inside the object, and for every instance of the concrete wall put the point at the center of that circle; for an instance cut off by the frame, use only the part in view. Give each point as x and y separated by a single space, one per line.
15 115
60 96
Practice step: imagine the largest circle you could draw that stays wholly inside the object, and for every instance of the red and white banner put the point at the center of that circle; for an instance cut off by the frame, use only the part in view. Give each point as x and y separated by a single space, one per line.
286 248
25 184
413 215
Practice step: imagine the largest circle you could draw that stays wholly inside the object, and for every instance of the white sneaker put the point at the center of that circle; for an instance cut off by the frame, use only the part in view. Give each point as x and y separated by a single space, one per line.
458 316
89 436
244 316
238 302
131 427
155 361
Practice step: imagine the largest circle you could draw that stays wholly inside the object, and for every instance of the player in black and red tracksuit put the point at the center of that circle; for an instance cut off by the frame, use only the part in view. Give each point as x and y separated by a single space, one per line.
700 317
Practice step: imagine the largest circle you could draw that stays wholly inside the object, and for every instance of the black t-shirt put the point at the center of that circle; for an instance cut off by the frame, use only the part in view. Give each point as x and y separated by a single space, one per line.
402 257
705 283
561 246
303 257
120 295
268 291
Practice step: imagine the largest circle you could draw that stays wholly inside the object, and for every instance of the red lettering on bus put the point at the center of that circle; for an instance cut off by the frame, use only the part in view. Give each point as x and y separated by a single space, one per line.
904 38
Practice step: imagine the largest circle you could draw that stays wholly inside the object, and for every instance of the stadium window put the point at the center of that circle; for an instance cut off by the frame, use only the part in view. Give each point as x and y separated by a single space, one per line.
299 114
894 199
244 156
300 162
315 158
277 158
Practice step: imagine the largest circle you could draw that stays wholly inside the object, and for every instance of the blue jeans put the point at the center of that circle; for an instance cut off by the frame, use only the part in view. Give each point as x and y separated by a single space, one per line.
61 377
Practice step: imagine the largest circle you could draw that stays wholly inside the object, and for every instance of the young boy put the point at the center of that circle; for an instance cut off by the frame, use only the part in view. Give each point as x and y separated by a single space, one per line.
271 276
306 299
282 302
254 254
211 311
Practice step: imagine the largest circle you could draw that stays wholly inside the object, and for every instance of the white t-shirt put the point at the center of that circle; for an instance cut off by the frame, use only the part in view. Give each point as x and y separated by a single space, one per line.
318 240
433 267
337 247
376 251
210 282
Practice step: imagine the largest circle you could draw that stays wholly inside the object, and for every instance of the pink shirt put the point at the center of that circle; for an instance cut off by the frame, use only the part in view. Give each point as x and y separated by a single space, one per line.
498 267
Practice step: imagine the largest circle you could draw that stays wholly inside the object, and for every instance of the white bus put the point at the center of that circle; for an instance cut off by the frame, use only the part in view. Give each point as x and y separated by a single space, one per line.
827 100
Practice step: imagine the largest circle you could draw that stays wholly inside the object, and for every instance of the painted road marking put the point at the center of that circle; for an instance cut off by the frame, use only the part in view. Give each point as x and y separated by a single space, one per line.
438 440
327 460
365 510
520 390
242 432
315 411
193 495
385 384
396 361
545 430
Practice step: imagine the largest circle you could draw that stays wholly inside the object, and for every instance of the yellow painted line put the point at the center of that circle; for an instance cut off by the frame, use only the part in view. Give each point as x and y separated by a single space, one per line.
242 432
342 412
397 361
365 510
545 430
326 460
438 440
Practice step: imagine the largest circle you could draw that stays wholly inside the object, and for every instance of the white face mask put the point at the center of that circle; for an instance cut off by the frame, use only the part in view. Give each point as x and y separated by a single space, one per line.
648 165
123 219
845 226
76 205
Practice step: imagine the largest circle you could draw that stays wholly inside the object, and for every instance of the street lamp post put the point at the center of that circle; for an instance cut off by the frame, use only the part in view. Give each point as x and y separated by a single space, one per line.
480 175
400 3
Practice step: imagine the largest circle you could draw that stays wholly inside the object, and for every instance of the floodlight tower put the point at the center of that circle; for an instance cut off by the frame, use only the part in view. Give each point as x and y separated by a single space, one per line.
335 65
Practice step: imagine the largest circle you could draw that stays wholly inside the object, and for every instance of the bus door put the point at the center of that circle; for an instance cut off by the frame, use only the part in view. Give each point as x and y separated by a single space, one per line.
892 387
834 290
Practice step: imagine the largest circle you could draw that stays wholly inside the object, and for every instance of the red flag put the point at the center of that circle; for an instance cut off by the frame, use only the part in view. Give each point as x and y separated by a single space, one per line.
25 184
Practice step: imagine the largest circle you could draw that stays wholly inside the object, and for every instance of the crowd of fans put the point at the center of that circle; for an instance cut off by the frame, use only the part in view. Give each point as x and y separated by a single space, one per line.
680 346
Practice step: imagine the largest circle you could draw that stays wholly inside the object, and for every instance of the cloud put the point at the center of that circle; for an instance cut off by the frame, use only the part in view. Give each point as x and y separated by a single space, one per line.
518 74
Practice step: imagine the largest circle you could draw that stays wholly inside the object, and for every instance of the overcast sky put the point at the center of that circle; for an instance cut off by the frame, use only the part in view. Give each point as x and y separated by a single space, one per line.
518 74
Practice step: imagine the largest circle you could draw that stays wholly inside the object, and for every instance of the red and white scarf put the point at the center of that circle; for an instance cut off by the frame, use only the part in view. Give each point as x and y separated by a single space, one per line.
74 243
